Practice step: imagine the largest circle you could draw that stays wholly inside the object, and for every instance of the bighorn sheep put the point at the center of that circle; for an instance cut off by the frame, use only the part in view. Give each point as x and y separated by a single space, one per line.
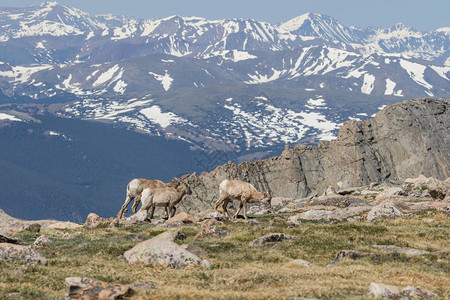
166 197
240 191
134 191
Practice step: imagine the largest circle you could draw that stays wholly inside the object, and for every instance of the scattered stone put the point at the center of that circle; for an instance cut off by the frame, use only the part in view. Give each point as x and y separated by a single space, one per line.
93 220
34 227
41 241
210 231
252 222
87 288
182 217
142 286
278 219
196 250
301 298
425 194
160 250
12 252
294 220
389 192
405 250
172 235
173 224
64 225
138 218
210 222
272 238
5 239
385 209
258 210
315 214
209 214
302 263
347 255
337 201
393 292
278 203
347 191
68 236
413 293
383 290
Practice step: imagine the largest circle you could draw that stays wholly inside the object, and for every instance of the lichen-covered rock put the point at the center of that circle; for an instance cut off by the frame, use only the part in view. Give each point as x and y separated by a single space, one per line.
88 288
160 250
383 210
209 214
302 262
138 218
347 255
272 238
382 290
41 241
182 217
12 252
93 220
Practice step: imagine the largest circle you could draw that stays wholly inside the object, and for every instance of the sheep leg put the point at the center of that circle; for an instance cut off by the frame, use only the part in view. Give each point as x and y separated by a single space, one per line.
173 209
224 206
153 212
245 209
137 200
239 210
124 206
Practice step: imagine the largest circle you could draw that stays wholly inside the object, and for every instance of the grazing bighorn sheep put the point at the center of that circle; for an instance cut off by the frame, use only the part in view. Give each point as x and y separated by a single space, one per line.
134 191
240 191
166 197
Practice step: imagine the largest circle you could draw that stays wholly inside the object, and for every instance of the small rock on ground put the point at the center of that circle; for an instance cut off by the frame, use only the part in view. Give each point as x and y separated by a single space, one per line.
384 290
272 238
41 241
87 288
302 263
12 252
182 217
347 255
385 209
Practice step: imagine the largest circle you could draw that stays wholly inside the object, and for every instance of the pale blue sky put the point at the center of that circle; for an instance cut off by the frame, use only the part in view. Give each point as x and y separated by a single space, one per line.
420 14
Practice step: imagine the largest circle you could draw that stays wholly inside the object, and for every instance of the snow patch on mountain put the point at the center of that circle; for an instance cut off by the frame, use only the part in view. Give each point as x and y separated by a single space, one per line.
106 76
165 80
368 84
166 119
8 117
416 72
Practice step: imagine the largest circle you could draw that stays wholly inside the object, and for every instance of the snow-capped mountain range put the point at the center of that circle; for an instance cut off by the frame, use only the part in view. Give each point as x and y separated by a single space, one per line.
237 82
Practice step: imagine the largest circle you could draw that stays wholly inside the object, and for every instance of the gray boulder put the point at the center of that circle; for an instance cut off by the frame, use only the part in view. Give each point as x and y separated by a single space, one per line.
12 252
382 290
389 192
161 250
272 238
385 209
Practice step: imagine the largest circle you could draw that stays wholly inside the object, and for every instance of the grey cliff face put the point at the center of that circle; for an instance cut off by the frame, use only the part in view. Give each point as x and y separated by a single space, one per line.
403 141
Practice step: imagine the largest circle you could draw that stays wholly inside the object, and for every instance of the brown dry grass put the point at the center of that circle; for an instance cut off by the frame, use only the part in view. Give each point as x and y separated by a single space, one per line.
243 272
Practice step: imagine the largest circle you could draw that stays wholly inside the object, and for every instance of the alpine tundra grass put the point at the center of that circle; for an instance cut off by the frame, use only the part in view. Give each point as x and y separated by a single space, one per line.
240 271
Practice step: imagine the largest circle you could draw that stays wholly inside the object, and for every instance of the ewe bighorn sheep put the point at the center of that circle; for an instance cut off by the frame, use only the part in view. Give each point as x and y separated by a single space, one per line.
240 191
166 197
134 191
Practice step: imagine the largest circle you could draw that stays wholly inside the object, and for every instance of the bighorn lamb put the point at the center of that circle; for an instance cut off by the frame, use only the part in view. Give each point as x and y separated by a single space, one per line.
134 191
240 191
166 197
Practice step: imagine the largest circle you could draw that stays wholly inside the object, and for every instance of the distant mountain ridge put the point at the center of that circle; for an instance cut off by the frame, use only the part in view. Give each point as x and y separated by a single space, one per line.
168 76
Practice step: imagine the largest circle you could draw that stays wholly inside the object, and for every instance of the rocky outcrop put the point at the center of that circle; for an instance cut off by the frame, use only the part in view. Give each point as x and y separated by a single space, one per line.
403 141
10 224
